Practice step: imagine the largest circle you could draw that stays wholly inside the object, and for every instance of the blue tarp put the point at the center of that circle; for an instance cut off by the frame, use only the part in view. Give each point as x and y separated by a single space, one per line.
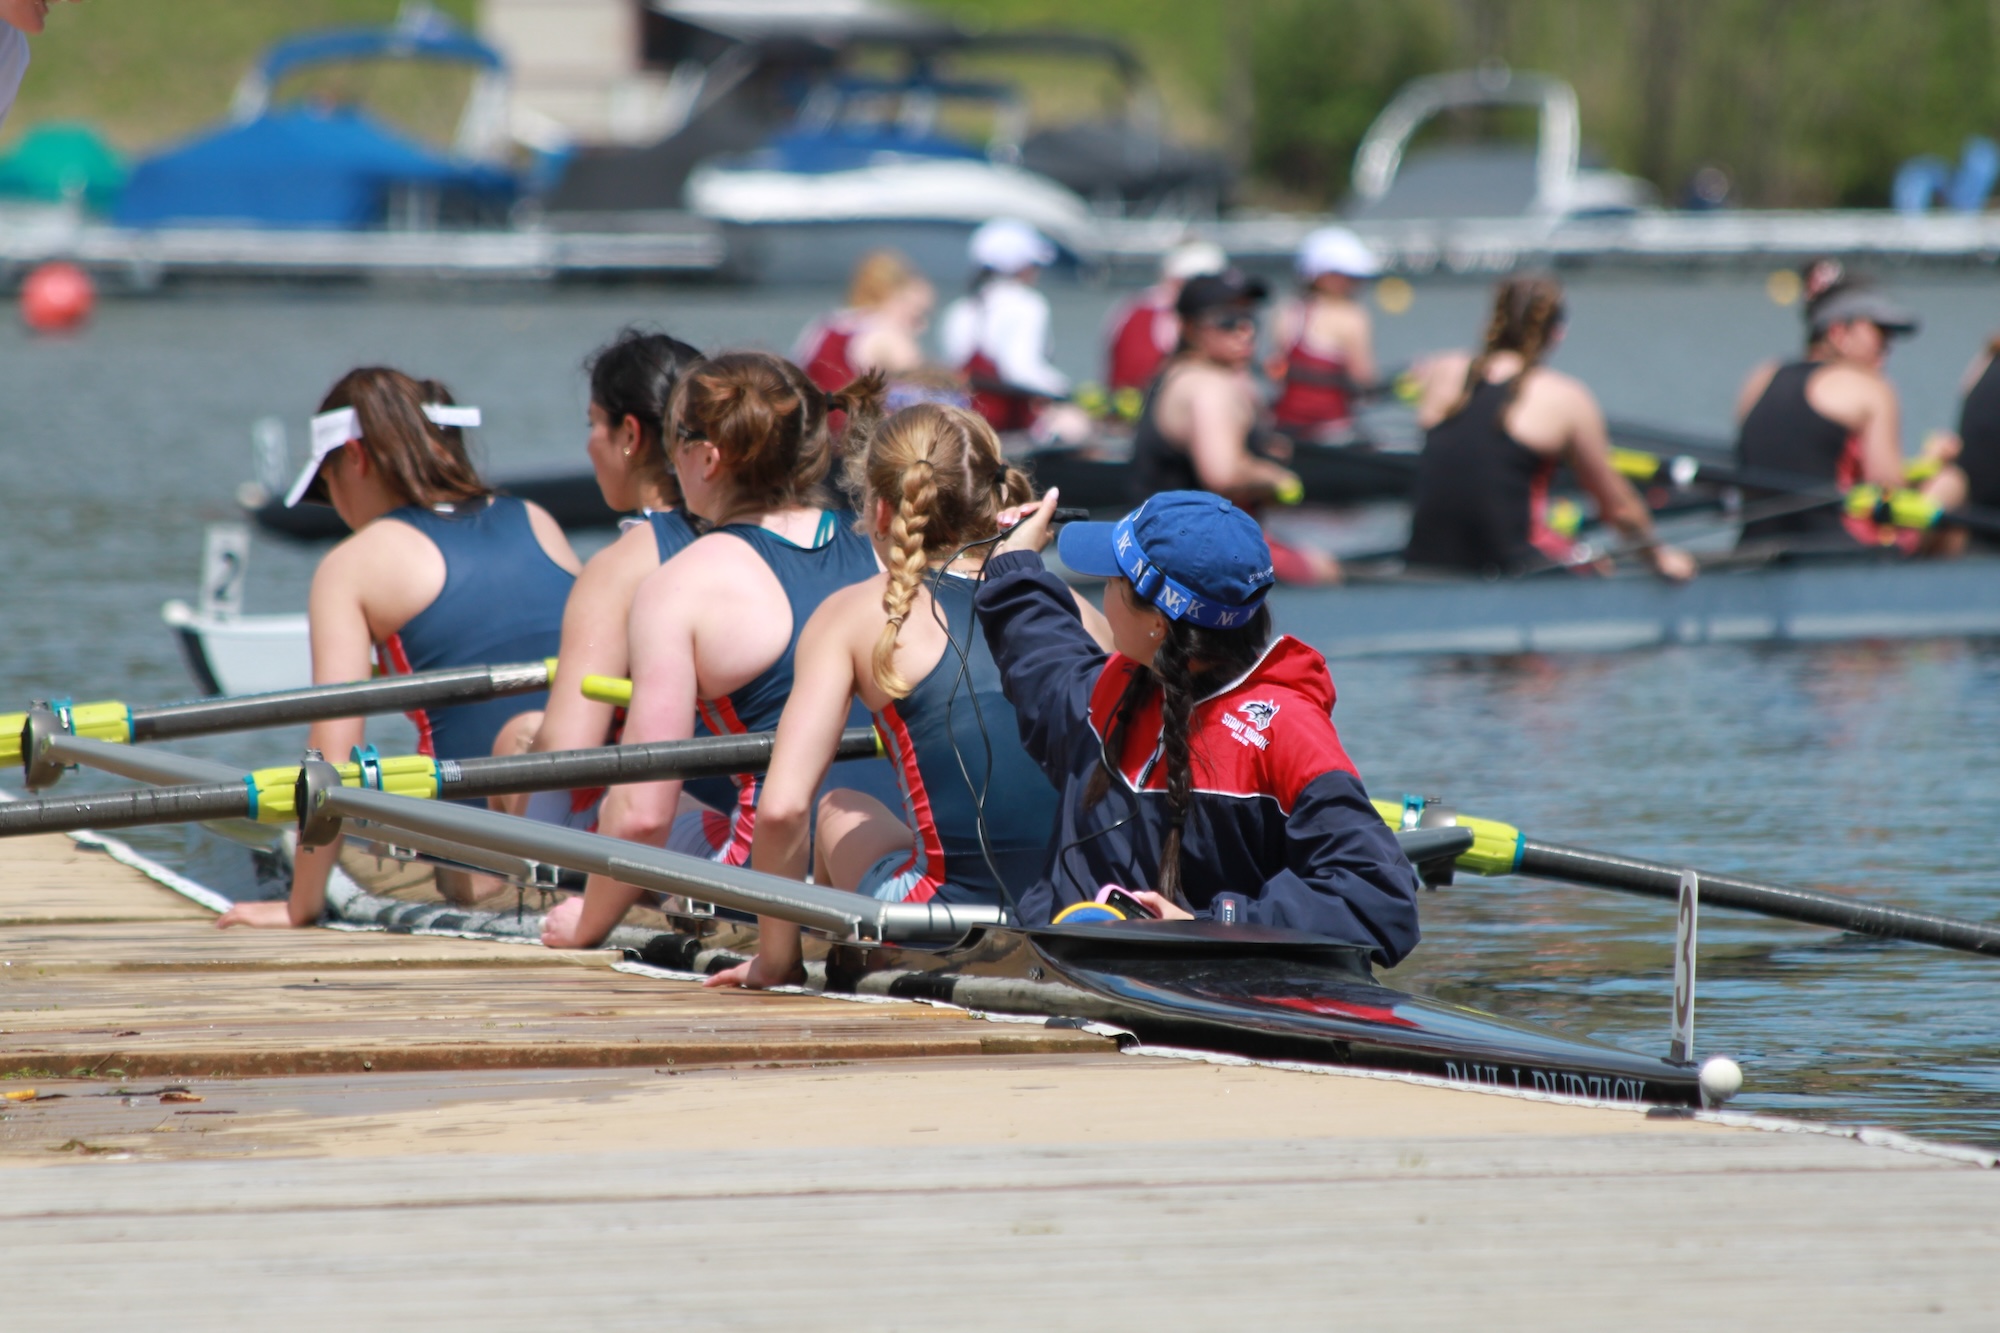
295 167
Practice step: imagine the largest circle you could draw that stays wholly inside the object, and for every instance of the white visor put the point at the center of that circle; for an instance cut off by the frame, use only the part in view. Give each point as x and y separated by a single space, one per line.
333 430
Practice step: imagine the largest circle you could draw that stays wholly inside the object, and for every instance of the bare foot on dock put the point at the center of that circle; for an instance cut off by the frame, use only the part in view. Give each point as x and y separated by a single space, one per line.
270 916
753 976
559 927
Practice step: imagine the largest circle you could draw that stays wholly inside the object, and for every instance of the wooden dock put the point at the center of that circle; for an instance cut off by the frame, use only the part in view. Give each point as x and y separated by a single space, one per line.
333 1129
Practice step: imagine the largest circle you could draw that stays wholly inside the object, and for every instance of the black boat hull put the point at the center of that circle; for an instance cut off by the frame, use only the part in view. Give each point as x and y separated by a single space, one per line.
1261 994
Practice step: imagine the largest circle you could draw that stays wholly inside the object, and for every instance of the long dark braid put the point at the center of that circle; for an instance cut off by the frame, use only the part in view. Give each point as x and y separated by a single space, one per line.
1526 313
1224 655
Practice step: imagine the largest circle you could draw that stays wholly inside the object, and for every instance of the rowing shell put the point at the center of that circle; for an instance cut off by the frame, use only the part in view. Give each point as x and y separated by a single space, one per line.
1804 601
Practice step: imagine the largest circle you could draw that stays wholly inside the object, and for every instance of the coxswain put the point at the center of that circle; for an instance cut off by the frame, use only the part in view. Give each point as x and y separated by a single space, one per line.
1143 332
1196 765
714 631
1831 420
1328 340
881 327
632 381
1202 426
997 334
973 825
440 572
1496 425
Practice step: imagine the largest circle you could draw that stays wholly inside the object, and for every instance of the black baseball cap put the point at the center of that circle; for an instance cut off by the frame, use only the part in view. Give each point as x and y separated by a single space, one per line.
1215 291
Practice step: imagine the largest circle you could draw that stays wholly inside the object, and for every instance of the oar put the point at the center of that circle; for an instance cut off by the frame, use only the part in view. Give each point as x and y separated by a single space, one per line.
270 795
1502 849
123 724
1899 507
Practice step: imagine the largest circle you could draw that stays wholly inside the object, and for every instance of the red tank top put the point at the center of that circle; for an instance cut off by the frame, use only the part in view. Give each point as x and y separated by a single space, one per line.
1316 389
1003 409
1136 353
823 352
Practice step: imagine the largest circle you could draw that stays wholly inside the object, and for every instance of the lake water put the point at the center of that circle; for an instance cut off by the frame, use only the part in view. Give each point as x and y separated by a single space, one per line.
1864 767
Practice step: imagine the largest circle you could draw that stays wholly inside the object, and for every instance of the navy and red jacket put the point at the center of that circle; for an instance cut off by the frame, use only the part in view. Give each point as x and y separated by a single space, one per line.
1278 816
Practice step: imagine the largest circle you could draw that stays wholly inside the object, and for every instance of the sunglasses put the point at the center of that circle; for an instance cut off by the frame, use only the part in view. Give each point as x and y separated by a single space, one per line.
1230 323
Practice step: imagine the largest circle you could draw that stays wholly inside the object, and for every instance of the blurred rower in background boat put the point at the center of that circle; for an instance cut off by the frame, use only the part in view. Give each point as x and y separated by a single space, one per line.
715 629
632 382
1203 428
440 572
998 334
976 811
881 327
1328 340
1833 420
1976 448
1197 764
1497 423
1143 331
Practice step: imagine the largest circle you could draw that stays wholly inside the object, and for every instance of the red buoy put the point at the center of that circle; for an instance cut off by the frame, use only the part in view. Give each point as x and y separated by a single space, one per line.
57 298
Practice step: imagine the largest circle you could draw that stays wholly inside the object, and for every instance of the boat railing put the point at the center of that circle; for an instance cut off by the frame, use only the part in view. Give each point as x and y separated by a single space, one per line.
1559 134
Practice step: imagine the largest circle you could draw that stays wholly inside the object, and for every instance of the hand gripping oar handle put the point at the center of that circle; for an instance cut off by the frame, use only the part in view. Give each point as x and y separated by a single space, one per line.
269 796
117 722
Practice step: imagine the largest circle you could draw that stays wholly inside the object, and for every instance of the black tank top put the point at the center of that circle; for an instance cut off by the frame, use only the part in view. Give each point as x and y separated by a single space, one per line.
1160 465
1156 464
1979 428
1476 492
1784 433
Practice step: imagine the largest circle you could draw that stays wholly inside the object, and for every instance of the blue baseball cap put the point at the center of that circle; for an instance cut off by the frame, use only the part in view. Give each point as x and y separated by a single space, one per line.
1192 554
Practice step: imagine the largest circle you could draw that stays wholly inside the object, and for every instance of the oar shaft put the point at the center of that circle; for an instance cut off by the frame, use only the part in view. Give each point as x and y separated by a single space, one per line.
126 809
156 766
428 689
1577 866
616 765
267 795
843 915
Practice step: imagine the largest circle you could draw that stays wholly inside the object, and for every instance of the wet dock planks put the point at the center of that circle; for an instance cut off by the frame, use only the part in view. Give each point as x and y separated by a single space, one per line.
330 1129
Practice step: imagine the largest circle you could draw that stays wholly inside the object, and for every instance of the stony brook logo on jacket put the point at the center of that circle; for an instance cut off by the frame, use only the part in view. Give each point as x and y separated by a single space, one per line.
1240 747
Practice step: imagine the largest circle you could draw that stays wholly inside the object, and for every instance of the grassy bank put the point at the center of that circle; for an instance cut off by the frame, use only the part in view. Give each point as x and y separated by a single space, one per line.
1801 102
148 71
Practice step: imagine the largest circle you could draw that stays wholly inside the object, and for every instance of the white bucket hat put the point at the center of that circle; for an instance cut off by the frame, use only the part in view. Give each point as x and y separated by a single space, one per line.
1008 246
1337 250
1193 259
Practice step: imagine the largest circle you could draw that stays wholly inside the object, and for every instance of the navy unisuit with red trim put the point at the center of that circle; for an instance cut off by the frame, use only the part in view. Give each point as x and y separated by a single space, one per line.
1279 819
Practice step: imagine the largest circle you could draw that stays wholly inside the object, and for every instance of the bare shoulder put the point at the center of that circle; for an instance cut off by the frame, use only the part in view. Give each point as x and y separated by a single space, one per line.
551 536
624 564
386 546
1544 385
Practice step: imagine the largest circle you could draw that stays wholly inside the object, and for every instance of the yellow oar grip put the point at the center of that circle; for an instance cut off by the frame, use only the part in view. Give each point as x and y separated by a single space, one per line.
1496 847
1634 464
274 791
110 722
607 690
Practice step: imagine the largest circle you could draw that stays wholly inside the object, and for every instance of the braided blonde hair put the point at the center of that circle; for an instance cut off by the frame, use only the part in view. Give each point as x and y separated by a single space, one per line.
942 474
1527 311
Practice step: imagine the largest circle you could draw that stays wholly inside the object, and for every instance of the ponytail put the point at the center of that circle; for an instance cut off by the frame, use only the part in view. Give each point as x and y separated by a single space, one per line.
1527 311
940 470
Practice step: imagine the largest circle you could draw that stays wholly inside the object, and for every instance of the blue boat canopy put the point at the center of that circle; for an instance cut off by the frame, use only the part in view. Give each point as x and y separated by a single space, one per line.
304 167
337 167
